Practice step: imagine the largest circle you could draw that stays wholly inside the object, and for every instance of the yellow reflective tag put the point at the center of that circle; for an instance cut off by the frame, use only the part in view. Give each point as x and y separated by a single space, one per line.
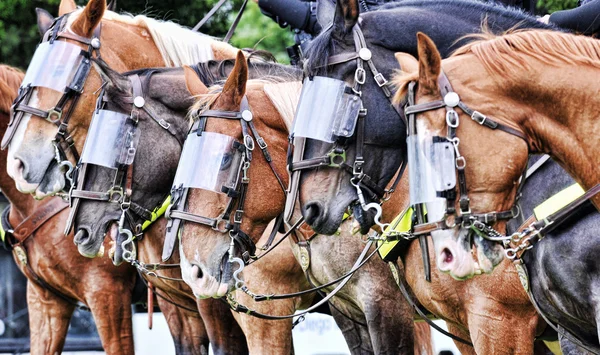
158 212
558 201
2 233
400 224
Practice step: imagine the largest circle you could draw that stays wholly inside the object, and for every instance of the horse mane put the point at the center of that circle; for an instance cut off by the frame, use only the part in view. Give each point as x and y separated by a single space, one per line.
10 81
178 45
507 54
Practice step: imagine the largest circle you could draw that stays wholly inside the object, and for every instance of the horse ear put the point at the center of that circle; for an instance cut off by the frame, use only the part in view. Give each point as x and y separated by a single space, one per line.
235 86
112 5
90 18
346 15
115 84
407 62
193 83
44 20
66 6
430 63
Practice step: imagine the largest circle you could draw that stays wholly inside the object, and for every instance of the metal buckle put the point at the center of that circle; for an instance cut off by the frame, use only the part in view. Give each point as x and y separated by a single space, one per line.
221 225
261 143
452 119
360 75
249 142
380 79
54 112
478 117
115 190
334 162
237 216
357 167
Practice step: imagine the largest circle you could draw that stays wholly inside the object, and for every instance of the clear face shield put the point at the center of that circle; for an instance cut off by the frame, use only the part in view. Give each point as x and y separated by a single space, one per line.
431 172
54 66
112 140
327 109
211 161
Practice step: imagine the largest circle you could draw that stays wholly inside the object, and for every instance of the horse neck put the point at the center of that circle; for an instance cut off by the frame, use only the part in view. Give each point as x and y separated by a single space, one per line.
557 119
21 203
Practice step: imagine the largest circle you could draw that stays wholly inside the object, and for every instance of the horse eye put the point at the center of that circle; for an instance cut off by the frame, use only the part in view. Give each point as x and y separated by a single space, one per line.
226 162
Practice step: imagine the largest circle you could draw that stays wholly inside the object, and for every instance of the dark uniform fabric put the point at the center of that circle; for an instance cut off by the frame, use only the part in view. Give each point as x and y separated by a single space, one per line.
584 19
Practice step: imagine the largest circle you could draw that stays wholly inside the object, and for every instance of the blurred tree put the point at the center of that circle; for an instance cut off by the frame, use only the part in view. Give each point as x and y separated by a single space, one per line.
556 5
19 35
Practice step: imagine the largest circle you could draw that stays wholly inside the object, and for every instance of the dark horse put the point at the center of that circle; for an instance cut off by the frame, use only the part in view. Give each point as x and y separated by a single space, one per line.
567 304
326 193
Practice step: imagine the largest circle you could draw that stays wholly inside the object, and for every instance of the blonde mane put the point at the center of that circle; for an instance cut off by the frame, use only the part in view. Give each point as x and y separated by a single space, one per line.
507 55
10 80
177 44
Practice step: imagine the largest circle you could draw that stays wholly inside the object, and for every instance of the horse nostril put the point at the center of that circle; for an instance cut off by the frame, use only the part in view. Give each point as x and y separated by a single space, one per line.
81 237
448 256
312 212
197 272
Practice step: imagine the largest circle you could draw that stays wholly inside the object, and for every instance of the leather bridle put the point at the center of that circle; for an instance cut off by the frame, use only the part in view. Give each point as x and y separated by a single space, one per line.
60 114
122 187
479 223
231 219
336 157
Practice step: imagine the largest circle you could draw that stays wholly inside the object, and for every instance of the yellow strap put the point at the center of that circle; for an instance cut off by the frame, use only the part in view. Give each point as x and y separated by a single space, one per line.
158 212
2 233
558 201
400 224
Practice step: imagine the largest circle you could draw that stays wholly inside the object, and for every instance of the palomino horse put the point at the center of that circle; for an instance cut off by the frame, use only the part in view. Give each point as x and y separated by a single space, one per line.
159 44
58 277
125 43
537 111
372 317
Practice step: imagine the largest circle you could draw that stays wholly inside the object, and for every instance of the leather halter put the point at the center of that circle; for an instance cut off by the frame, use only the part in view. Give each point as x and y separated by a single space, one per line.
15 239
478 222
336 157
60 114
122 188
237 196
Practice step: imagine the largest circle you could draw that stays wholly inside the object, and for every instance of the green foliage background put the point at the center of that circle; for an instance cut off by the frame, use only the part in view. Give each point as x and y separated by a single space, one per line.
19 36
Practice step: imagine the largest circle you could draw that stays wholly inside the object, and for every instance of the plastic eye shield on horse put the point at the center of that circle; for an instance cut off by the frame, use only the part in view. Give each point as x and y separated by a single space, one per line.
53 66
210 161
111 141
431 161
327 109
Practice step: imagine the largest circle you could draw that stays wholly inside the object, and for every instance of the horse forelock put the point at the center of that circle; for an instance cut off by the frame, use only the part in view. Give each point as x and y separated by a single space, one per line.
10 81
508 54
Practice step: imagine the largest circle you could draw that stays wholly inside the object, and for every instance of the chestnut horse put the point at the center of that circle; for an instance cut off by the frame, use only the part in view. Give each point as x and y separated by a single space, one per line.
541 85
156 44
369 309
126 43
66 277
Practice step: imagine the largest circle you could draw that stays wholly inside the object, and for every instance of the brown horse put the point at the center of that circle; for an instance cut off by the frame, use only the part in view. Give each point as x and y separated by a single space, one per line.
157 44
561 126
374 320
525 82
126 43
66 277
